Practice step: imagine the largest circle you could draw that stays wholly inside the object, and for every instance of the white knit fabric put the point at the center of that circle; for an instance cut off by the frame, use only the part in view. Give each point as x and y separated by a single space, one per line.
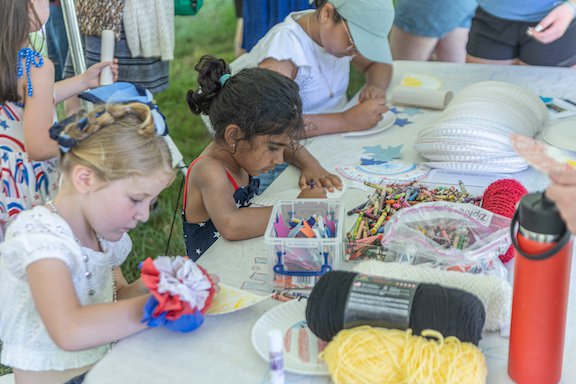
149 27
494 292
38 234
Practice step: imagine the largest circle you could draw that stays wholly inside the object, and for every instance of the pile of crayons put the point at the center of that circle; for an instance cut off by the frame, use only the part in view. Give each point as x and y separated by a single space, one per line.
448 235
363 241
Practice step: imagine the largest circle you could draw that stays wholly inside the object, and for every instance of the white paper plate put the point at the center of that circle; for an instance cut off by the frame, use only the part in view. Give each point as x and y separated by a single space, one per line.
461 149
301 346
484 158
475 167
388 120
561 134
231 299
268 200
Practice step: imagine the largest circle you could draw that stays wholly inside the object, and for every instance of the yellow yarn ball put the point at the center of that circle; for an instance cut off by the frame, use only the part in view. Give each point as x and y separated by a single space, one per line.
376 355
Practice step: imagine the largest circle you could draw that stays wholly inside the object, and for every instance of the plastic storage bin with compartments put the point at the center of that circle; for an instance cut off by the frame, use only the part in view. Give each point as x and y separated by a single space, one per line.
304 238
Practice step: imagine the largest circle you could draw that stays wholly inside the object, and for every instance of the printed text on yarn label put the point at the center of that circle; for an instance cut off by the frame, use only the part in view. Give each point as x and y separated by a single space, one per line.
379 302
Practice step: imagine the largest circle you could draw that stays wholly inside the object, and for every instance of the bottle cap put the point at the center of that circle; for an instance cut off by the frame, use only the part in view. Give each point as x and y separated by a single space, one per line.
275 339
538 214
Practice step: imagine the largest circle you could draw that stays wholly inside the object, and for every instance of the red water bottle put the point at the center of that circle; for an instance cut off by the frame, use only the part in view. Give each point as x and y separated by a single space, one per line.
543 248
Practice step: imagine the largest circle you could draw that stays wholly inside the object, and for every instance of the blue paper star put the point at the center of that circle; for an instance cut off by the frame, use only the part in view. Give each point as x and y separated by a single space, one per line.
384 154
412 111
4 124
402 122
394 110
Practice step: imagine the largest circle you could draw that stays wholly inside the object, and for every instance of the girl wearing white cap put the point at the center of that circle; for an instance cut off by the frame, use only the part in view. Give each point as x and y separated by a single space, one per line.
315 48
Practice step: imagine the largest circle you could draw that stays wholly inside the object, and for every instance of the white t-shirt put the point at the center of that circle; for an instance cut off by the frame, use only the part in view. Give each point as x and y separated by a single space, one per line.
319 72
38 234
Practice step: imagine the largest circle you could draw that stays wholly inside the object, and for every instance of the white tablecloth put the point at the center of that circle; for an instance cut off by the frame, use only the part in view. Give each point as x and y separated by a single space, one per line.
221 351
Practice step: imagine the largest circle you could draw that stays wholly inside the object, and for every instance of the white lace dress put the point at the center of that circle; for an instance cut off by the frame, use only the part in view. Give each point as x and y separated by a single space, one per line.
37 234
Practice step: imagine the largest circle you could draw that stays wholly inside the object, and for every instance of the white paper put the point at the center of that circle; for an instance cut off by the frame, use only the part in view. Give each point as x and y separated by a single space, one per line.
107 54
421 97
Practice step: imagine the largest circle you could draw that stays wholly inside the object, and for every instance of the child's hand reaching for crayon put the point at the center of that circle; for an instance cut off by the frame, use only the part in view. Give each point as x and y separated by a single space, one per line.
312 192
320 177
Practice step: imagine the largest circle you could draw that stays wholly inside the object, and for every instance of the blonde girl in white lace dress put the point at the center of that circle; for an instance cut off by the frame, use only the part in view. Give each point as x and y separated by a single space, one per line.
60 263
28 174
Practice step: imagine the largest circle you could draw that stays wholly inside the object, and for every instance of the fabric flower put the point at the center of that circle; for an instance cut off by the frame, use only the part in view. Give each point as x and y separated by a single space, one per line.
181 292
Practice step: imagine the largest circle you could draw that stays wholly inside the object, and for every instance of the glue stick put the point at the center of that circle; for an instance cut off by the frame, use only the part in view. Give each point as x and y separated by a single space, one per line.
276 357
107 54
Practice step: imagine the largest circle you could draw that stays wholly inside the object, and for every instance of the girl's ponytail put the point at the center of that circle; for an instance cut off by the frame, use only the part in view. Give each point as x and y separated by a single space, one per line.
210 79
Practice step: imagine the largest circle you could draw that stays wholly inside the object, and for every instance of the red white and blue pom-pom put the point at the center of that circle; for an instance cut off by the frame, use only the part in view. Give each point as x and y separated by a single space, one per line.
182 292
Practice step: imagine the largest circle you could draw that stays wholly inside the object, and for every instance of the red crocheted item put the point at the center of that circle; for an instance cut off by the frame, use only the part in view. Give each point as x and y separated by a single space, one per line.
501 197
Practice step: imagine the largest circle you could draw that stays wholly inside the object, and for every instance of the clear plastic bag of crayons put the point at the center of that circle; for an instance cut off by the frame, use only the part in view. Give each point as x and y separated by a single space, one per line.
450 236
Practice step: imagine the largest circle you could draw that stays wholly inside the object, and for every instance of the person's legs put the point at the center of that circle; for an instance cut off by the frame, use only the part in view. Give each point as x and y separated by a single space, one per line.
559 53
406 46
493 40
452 47
419 26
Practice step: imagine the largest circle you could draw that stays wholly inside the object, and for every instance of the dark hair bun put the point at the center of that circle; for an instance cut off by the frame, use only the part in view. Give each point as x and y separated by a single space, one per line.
210 69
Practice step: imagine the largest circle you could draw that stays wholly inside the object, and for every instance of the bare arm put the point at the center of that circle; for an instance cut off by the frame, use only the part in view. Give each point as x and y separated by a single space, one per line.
75 85
378 77
125 290
562 191
215 191
72 326
360 117
311 169
39 113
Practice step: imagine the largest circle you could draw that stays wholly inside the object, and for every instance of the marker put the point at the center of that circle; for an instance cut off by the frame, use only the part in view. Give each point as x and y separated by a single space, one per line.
276 357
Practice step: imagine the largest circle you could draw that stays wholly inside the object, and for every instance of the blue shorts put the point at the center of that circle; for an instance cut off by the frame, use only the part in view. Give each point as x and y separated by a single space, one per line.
433 18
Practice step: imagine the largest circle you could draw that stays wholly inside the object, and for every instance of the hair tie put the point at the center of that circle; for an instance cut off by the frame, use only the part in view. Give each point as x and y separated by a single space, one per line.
224 78
31 57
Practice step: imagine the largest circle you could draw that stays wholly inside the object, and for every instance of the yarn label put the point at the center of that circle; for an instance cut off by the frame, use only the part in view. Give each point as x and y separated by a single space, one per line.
379 302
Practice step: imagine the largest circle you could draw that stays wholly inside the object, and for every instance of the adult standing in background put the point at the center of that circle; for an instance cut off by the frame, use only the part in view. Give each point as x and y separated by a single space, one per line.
534 32
56 38
144 39
431 30
259 16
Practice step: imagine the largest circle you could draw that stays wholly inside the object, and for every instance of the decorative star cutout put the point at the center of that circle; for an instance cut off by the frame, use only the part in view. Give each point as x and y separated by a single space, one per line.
402 122
216 234
238 204
383 154
201 224
198 251
412 111
394 110
4 124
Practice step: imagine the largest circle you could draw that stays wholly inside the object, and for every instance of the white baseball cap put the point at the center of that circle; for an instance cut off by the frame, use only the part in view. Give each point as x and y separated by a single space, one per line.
369 22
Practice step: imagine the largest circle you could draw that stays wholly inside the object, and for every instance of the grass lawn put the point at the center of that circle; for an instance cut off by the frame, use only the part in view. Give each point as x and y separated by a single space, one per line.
209 32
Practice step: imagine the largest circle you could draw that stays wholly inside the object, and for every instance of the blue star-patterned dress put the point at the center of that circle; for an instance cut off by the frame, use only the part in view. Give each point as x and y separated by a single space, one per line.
200 236
25 183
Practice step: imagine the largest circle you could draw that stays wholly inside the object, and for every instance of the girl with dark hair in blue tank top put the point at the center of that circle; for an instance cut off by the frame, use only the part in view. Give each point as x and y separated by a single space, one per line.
257 118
